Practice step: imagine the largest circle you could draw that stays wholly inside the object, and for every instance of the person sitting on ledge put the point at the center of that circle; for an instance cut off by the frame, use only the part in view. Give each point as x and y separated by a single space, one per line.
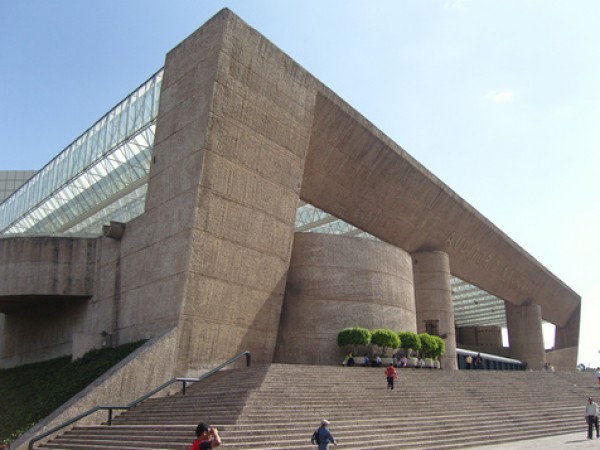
377 361
403 362
348 360
366 361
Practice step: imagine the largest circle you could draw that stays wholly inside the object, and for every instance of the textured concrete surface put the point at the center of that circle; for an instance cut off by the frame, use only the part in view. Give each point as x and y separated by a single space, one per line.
433 297
525 335
336 282
573 441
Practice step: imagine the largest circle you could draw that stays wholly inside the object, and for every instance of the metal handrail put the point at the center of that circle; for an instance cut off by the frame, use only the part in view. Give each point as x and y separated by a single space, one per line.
144 397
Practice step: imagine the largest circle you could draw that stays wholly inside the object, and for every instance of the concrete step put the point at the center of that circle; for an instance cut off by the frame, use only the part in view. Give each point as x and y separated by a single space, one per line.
278 407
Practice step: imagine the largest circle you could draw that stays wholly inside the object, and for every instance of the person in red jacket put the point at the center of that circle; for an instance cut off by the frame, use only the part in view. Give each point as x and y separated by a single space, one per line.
391 374
206 437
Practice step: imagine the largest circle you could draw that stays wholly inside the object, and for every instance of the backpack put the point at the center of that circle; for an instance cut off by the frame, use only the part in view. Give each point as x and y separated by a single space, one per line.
314 439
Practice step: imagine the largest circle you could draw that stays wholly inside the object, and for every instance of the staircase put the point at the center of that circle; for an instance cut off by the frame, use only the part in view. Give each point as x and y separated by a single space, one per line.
278 407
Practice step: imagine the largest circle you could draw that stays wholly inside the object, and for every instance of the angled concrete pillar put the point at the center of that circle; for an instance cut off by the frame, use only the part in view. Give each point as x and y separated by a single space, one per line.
566 343
433 299
525 336
231 136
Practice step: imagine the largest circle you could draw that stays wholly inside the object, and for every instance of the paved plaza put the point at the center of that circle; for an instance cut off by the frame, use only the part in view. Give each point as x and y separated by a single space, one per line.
566 441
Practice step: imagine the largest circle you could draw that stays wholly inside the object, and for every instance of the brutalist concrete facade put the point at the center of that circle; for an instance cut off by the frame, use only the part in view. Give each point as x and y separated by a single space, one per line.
244 133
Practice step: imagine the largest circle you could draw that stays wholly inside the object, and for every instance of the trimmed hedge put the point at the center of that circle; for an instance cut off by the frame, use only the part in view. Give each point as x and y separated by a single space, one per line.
409 340
354 336
385 339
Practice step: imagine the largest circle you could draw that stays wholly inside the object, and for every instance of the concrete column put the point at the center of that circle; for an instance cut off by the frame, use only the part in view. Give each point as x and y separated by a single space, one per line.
566 343
433 298
568 335
525 334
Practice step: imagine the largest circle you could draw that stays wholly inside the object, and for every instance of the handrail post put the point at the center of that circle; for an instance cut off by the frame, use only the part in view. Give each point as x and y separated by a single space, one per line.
110 416
184 386
248 359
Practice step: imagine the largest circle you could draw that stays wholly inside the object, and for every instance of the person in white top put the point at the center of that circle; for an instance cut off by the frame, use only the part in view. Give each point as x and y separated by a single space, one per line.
591 417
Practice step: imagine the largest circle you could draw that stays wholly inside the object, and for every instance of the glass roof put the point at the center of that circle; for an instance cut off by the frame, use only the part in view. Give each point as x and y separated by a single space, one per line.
95 179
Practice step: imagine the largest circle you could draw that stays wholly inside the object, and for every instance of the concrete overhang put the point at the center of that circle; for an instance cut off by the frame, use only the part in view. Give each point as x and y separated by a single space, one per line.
356 173
39 270
21 303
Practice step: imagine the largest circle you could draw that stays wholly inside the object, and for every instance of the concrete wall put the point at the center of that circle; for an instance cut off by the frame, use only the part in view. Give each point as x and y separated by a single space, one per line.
44 295
235 113
336 282
480 337
563 358
45 266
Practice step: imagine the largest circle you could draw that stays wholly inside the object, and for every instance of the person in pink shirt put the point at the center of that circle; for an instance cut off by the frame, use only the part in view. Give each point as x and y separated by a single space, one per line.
391 374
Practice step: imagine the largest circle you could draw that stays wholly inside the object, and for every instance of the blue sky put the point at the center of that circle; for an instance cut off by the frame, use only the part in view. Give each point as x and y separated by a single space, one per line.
500 98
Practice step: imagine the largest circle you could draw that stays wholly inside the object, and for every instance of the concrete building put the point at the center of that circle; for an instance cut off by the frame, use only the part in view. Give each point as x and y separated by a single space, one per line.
233 202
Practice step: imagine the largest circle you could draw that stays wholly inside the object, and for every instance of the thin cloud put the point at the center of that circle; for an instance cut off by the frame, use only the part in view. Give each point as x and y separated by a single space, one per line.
507 95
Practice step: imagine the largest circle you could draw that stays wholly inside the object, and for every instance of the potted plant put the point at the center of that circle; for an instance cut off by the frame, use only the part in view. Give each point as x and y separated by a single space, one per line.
385 339
439 351
410 343
429 346
353 337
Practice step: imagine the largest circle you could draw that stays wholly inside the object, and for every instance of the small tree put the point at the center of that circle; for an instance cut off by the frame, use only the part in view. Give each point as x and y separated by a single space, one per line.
441 347
385 338
353 336
429 345
409 341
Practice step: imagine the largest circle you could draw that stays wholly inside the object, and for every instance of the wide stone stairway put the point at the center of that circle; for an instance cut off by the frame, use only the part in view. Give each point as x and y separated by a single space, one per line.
278 407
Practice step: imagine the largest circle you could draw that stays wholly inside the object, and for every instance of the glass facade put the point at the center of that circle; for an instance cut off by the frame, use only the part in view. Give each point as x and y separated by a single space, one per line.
99 171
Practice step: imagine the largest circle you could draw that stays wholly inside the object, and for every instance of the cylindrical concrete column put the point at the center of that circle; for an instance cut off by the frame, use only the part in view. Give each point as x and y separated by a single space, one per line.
336 282
433 300
525 336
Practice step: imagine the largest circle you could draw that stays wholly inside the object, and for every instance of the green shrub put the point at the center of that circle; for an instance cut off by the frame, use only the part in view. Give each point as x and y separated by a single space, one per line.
409 341
385 339
353 336
429 345
441 347
31 392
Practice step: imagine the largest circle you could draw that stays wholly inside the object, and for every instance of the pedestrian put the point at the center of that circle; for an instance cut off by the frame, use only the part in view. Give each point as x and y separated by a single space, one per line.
391 374
478 362
598 376
469 361
323 437
591 417
207 437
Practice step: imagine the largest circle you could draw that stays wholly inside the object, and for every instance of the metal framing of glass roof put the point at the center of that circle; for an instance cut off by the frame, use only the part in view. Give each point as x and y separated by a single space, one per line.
100 177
